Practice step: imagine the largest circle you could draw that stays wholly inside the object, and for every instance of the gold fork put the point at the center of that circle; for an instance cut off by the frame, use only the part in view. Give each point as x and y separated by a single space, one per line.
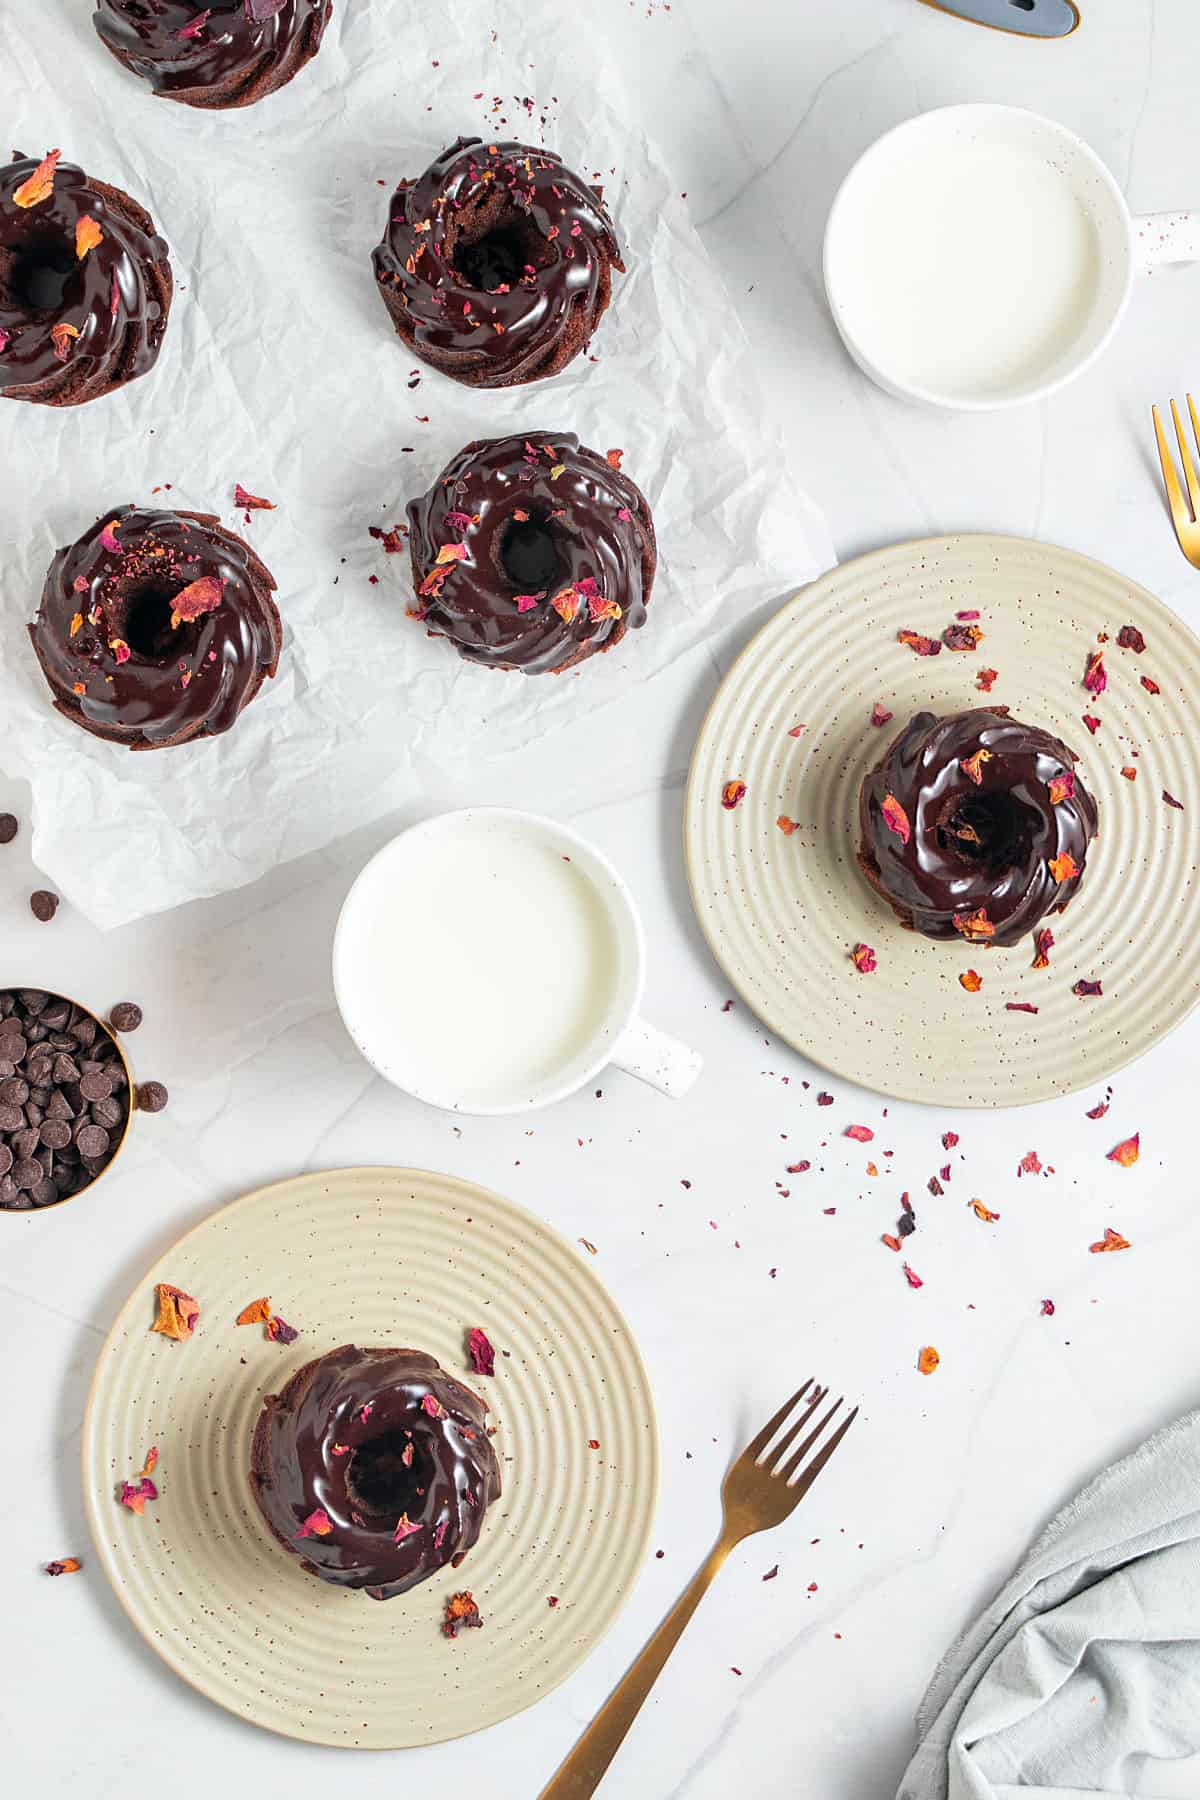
760 1490
1186 519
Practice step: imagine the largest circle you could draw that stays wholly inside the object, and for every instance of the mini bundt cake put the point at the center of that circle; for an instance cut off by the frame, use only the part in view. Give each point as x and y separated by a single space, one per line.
374 1467
85 284
156 627
532 552
228 54
497 263
975 826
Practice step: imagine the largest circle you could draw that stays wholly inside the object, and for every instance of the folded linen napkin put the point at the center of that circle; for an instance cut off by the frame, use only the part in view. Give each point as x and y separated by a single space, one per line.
1083 1676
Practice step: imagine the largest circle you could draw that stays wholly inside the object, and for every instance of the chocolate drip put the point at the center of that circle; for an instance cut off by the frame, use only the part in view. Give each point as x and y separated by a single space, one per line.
73 326
972 845
371 1438
584 523
496 265
232 58
104 634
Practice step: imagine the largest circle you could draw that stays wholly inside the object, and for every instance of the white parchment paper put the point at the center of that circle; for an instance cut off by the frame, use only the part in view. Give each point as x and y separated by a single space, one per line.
280 370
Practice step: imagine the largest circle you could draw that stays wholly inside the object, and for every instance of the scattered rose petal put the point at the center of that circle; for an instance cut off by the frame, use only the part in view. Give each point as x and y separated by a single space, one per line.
404 1528
1130 638
924 646
880 714
972 613
1030 1164
134 1494
1172 801
863 958
481 1352
195 27
460 1611
1098 1111
985 679
949 1140
87 235
1021 1006
108 539
61 336
1086 989
962 637
279 1331
771 1573
613 458
40 185
257 1313
974 926
69 1565
912 1278
928 1360
862 1134
732 794
1043 943
972 766
1127 1151
196 599
1048 1309
972 980
895 818
786 825
1129 773
983 1212
1151 687
177 1312
1095 676
824 1099
317 1524
795 731
433 1406
1112 1240
892 1242
1092 723
251 502
1062 787
1063 867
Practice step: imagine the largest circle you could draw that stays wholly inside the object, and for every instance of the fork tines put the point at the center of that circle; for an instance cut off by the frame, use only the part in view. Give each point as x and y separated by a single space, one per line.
1185 510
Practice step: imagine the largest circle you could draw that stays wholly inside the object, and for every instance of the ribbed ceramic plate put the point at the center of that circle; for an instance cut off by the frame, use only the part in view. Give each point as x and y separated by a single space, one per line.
783 913
374 1256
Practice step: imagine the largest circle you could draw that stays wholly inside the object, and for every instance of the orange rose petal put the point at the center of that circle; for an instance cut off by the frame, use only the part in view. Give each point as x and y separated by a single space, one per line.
1127 1152
87 235
732 794
983 1212
895 818
971 980
177 1312
786 825
1112 1240
972 766
974 926
1064 867
196 599
928 1360
257 1313
40 185
61 336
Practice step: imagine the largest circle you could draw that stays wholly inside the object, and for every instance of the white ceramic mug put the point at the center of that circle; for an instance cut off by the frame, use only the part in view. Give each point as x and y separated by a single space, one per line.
491 961
982 256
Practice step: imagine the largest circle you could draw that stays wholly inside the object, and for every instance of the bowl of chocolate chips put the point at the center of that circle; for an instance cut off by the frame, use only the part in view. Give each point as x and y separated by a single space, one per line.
66 1096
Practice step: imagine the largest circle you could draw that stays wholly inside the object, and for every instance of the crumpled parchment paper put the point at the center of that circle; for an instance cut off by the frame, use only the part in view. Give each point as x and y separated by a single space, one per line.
280 370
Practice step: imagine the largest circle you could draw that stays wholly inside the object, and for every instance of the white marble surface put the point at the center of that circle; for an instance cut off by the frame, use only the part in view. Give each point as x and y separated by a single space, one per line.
762 106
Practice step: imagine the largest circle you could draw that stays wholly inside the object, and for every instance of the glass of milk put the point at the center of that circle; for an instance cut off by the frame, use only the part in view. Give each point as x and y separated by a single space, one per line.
491 961
981 256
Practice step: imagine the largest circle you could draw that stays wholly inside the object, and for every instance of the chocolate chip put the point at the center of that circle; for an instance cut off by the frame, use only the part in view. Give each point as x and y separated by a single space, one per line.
96 1087
33 1000
8 828
126 1015
25 1142
55 1134
58 1106
14 1091
152 1096
108 1113
85 1032
45 1193
6 1159
27 1173
65 1069
11 1117
43 905
91 1141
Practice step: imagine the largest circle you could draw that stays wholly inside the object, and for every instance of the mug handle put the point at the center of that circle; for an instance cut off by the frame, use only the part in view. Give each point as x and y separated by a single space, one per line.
1169 237
655 1057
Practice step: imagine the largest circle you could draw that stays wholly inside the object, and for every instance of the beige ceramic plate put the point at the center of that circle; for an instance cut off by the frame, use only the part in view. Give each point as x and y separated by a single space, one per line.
782 913
375 1256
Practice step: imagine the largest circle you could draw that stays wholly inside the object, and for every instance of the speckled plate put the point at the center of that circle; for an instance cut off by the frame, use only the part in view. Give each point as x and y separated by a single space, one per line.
782 913
376 1256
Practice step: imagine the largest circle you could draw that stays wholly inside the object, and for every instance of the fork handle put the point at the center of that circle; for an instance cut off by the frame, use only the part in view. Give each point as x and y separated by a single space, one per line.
582 1772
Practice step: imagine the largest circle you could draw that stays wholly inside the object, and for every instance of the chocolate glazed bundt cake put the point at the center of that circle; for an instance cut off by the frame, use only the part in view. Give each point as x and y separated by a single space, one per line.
497 263
156 628
231 53
374 1467
532 553
975 826
85 284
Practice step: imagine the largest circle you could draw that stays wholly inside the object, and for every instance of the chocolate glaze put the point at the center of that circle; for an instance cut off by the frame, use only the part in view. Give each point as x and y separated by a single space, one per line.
940 875
313 1449
175 684
116 298
497 263
574 533
233 60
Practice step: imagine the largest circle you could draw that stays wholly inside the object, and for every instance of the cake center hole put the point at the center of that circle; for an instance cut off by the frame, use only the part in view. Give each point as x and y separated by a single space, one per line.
148 628
531 558
39 277
385 1474
495 248
982 829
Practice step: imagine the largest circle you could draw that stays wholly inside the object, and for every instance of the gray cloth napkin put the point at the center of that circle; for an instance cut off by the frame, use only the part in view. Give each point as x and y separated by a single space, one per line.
1083 1676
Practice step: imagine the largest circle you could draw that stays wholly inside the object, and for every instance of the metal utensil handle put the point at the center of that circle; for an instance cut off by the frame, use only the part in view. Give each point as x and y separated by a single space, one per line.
1028 18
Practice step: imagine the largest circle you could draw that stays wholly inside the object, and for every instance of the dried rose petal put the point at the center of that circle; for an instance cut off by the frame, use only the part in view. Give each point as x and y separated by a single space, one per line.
1130 774
68 1565
924 646
566 604
1021 1006
1043 942
1151 687
1112 1240
1030 1164
972 766
151 1462
87 235
928 1360
177 1312
949 1140
893 1243
786 825
1063 867
1092 723
862 1134
433 1406
1085 989
1127 1151
962 637
195 27
911 1276
108 539
895 818
259 10
1172 801
824 1099
600 608
120 649
1098 1111
257 1313
317 1524
40 185
1062 787
983 1212
62 336
481 1352
795 731
974 926
134 1494
1048 1309
985 679
196 599
880 714
732 794
863 958
972 980
461 1608
280 1331
1095 676
404 1528
251 502
972 613
1130 638
526 602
